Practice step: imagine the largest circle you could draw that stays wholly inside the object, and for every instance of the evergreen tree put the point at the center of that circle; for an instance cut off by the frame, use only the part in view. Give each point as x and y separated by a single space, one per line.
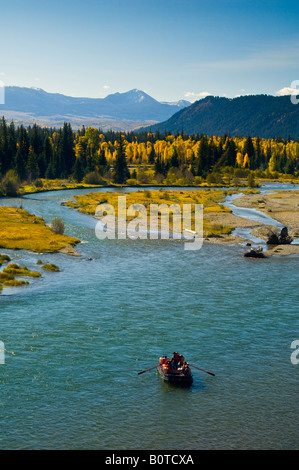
21 157
258 163
19 165
78 170
151 156
249 149
230 154
158 166
46 156
32 166
102 162
4 156
36 139
174 159
11 144
65 154
121 172
290 167
202 156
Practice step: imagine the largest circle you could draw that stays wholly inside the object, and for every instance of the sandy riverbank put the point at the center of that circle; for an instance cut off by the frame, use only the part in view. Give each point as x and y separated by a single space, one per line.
282 206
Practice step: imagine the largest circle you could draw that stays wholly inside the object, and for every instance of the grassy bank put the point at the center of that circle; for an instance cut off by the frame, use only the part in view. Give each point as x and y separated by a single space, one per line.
21 230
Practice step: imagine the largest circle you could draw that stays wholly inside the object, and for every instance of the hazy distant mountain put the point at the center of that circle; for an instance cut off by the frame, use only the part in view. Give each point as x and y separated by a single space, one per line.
256 115
134 105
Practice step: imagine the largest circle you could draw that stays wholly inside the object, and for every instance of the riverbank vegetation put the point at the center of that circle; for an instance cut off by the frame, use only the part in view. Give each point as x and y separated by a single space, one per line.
51 267
37 159
21 230
13 270
210 199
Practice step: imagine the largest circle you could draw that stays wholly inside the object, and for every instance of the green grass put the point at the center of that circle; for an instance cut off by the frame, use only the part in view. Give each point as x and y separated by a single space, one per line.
51 267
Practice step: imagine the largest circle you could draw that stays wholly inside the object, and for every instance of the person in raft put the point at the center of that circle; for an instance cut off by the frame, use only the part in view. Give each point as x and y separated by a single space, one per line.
175 360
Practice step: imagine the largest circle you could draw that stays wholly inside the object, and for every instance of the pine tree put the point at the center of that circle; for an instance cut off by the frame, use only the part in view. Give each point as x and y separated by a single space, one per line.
19 165
11 144
4 157
102 162
121 172
174 159
202 156
78 170
151 156
230 154
46 156
258 155
32 166
21 157
65 154
249 149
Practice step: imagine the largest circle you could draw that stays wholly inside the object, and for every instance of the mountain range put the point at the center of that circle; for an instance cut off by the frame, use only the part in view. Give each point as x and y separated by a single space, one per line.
262 116
117 110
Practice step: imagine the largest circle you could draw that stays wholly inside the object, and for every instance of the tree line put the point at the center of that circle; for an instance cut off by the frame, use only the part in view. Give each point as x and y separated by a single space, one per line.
90 154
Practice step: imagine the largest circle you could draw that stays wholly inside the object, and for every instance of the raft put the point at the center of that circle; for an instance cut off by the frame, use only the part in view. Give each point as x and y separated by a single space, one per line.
180 375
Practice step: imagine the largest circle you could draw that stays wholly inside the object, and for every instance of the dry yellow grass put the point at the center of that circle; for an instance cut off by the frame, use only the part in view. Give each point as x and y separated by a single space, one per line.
53 185
21 230
210 199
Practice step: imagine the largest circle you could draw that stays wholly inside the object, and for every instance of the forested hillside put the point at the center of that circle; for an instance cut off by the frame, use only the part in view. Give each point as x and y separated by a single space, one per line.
262 116
95 157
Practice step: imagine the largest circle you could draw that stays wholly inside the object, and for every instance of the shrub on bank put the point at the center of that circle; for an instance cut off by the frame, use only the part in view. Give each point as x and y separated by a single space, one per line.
57 225
10 184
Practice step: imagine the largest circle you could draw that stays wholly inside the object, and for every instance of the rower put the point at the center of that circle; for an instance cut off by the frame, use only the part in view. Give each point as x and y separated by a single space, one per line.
174 360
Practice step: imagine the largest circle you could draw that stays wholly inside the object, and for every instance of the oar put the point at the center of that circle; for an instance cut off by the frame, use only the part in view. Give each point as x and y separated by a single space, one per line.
211 373
148 369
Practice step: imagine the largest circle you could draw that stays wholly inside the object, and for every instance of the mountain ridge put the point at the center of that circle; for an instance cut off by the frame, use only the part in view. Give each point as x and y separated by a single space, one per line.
264 116
134 105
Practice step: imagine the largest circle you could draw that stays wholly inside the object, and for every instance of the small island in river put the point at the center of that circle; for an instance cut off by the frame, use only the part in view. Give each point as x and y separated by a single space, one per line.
219 222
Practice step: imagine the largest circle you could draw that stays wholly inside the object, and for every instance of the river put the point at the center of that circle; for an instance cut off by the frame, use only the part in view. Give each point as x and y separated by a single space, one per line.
75 341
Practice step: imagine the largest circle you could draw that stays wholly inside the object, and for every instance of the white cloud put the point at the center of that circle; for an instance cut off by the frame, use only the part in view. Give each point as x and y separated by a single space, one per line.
106 87
287 91
192 96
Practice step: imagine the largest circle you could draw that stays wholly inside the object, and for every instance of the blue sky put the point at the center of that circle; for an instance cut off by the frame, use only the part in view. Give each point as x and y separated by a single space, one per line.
170 49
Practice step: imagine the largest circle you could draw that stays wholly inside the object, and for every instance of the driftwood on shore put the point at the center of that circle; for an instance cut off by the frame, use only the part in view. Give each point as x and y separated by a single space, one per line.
282 238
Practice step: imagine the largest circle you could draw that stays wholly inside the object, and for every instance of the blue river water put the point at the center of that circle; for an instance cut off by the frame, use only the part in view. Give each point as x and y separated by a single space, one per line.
75 341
